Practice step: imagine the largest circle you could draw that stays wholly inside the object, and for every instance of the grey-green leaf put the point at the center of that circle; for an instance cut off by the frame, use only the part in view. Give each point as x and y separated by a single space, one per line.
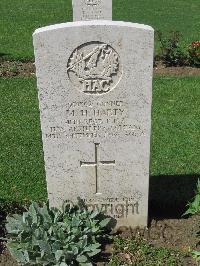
82 259
104 222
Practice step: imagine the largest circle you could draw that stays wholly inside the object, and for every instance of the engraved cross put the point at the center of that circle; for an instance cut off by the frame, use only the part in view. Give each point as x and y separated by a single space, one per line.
97 163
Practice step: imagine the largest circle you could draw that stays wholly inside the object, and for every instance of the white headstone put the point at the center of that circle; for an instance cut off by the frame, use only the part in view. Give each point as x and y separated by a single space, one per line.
92 9
95 91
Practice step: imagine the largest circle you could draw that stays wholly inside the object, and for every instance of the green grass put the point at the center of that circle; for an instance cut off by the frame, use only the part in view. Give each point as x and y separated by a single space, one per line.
136 251
163 15
176 123
19 18
21 158
175 138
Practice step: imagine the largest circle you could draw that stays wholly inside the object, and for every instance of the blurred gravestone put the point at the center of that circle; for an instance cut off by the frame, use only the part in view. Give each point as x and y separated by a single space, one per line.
92 9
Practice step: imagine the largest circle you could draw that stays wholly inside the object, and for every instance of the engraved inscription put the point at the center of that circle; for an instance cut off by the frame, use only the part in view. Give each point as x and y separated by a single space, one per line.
87 119
92 2
94 68
92 9
96 164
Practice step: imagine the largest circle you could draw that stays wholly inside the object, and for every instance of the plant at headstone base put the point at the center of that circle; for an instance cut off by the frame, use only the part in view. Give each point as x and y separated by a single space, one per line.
194 208
170 51
194 53
194 205
196 255
49 236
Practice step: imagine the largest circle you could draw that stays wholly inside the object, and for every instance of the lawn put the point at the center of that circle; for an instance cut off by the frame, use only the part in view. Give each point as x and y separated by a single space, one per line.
19 18
21 158
176 123
175 139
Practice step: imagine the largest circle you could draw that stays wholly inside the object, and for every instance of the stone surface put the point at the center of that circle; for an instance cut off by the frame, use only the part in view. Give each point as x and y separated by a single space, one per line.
92 9
95 91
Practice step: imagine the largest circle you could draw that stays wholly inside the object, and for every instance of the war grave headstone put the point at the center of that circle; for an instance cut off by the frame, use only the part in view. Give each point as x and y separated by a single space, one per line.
94 83
92 9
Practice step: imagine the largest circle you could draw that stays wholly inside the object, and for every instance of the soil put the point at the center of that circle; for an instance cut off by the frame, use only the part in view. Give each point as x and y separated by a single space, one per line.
27 69
177 234
7 260
161 69
16 69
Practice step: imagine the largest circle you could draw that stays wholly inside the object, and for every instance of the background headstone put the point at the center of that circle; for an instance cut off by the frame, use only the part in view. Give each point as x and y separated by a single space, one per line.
92 9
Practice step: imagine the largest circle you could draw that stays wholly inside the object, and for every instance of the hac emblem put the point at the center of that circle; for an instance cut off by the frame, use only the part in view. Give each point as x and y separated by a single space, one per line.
94 68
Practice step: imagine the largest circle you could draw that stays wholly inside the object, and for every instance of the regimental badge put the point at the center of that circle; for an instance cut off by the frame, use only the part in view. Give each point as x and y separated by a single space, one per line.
94 68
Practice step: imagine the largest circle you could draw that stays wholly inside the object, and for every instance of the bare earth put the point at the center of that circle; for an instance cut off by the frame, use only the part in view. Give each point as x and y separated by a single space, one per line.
176 71
27 69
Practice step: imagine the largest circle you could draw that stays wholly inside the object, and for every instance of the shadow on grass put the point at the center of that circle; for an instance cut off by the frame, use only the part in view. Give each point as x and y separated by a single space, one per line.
3 54
169 195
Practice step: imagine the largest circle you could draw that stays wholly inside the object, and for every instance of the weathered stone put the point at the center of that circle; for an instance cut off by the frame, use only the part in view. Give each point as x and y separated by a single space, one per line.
95 85
92 9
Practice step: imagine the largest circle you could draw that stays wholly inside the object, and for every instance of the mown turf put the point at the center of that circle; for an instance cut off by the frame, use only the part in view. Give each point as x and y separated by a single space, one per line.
21 159
175 139
19 18
176 124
